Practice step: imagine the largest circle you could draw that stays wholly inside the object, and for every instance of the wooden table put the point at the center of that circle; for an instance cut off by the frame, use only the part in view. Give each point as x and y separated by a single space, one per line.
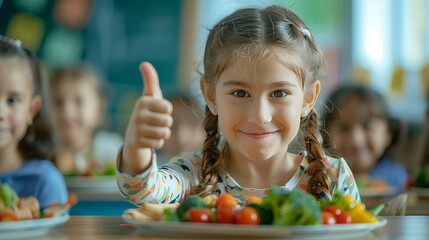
101 227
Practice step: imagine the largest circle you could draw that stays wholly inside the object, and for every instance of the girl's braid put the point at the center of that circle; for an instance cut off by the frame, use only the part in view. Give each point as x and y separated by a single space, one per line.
319 184
211 155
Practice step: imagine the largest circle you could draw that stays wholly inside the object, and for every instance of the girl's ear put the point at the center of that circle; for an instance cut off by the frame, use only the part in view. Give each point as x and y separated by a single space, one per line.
208 94
36 105
311 95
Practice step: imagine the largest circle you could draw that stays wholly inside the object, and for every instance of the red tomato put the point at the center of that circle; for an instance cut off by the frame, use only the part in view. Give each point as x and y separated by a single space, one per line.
248 216
224 214
333 209
328 218
344 218
226 199
340 216
199 215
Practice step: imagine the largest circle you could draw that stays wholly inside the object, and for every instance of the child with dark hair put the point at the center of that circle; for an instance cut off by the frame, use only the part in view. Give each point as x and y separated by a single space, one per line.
361 130
260 81
25 136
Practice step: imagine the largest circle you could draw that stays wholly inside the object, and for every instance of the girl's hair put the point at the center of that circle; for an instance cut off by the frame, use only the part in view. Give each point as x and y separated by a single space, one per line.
37 141
255 34
79 73
377 107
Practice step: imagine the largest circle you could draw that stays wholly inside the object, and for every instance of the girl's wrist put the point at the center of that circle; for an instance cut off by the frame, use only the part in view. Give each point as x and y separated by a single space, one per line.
134 161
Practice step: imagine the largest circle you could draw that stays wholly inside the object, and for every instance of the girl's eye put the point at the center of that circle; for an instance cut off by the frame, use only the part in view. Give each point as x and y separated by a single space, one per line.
13 101
278 94
370 125
79 101
240 93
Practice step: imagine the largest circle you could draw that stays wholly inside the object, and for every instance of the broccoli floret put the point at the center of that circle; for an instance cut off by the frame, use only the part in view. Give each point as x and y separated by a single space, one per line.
265 215
191 201
292 207
169 215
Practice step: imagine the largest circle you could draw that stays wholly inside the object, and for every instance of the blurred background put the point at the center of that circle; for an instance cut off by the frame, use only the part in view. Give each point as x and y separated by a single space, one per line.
384 43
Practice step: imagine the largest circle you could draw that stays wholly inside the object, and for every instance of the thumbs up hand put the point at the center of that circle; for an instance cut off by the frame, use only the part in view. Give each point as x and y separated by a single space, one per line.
149 125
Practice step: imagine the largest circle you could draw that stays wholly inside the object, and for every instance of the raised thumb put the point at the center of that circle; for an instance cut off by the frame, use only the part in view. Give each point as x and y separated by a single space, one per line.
150 80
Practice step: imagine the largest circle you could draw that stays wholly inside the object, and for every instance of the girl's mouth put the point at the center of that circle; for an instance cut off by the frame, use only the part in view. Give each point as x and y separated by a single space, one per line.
259 135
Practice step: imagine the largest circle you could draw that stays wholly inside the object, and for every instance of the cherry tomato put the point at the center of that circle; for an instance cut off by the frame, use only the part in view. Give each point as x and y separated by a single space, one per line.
248 216
328 218
343 218
333 209
199 215
224 214
226 199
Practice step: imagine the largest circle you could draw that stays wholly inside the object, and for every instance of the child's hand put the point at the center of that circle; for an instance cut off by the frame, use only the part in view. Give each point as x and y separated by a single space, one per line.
149 125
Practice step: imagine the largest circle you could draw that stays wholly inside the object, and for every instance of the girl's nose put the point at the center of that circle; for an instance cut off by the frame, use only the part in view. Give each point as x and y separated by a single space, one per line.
357 135
260 112
67 109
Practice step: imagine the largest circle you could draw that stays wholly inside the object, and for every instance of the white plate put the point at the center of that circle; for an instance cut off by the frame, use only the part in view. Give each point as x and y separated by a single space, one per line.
91 182
175 229
30 228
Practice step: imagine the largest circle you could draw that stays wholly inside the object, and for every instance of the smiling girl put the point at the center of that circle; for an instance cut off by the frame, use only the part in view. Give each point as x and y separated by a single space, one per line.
25 139
260 83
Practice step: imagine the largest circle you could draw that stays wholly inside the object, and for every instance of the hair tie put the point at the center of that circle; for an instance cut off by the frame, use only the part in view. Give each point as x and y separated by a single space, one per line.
306 32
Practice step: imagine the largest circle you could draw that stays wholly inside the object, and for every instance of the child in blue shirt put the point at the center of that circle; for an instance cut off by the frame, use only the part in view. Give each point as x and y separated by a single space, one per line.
25 139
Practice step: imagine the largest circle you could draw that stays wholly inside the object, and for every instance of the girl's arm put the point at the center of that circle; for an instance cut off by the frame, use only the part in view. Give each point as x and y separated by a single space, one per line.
149 125
169 184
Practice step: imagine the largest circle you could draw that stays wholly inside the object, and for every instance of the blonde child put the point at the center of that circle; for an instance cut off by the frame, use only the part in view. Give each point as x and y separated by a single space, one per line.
78 108
362 131
260 83
25 139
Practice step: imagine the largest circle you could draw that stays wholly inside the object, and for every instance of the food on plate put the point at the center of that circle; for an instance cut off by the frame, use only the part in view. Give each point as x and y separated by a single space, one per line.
347 210
14 208
279 207
364 181
149 212
420 179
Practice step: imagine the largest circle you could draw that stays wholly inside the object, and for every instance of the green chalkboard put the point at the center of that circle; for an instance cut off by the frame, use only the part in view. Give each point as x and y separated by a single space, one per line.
116 37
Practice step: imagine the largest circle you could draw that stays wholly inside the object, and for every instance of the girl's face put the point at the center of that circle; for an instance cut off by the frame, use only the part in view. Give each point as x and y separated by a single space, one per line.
259 107
358 135
17 106
76 111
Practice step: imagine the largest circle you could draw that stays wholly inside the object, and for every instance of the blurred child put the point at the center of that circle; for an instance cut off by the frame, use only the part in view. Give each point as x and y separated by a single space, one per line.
260 82
186 132
78 108
362 130
25 136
